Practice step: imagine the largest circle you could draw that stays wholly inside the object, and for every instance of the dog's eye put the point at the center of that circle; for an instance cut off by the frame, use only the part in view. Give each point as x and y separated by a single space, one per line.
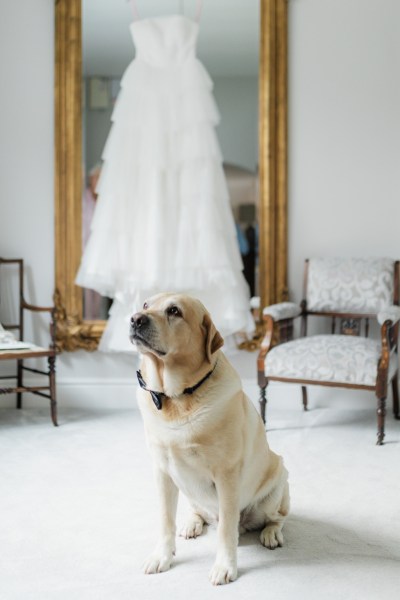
173 311
145 306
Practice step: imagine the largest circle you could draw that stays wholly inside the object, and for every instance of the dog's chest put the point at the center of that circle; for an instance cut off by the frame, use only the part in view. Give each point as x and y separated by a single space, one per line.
188 466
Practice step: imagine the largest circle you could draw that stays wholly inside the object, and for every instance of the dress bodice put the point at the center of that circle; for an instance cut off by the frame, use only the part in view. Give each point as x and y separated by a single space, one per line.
165 41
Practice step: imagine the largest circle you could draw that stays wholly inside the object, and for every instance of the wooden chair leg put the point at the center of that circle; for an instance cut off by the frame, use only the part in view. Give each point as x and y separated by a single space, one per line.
263 401
381 413
395 390
304 394
52 377
19 383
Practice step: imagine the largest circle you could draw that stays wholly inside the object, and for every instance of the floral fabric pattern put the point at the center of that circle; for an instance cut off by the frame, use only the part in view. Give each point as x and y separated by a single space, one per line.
350 284
335 358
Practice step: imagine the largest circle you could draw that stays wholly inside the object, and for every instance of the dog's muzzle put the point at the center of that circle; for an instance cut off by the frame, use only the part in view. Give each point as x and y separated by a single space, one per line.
142 332
140 325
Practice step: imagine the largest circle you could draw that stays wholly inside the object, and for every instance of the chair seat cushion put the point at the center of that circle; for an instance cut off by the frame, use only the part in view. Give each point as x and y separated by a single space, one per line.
328 358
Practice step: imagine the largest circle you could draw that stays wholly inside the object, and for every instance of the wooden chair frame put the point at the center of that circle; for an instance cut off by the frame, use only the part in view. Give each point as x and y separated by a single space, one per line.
277 332
46 391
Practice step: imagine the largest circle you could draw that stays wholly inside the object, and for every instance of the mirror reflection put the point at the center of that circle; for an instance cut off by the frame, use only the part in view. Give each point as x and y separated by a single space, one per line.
228 47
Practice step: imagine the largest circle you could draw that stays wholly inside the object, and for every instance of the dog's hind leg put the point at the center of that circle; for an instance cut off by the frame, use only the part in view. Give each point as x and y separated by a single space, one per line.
193 526
276 509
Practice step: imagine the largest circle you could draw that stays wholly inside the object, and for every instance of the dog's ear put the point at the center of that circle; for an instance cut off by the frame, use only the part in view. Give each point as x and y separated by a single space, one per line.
214 339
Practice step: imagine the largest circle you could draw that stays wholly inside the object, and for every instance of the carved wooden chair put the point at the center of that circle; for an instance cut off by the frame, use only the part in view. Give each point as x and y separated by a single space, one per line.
15 348
350 292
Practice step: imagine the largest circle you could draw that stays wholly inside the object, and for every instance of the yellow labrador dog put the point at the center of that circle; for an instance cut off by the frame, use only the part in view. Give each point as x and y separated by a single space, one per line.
205 436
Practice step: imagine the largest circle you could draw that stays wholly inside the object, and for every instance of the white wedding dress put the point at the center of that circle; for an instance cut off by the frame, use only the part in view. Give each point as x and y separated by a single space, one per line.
163 220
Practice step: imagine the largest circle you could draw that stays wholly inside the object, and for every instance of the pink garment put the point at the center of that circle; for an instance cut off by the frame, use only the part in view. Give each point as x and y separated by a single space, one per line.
88 207
91 299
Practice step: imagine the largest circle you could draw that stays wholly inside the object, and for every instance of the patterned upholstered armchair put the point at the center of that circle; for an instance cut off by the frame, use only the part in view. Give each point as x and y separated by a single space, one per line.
351 292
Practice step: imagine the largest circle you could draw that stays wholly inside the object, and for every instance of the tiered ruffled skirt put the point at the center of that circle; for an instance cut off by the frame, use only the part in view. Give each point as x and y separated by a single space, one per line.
163 220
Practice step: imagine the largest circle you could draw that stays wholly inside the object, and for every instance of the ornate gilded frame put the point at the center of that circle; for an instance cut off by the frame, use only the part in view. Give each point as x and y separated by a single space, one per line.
72 331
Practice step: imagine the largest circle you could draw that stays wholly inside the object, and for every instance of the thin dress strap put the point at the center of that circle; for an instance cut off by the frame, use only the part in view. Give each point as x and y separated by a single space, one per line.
134 9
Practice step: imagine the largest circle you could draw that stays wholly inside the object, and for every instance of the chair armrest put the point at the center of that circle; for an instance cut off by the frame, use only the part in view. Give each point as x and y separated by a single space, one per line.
53 322
35 308
391 313
266 344
282 311
275 313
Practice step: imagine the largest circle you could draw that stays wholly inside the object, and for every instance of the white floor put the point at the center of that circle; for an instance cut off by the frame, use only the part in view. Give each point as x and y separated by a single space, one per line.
78 510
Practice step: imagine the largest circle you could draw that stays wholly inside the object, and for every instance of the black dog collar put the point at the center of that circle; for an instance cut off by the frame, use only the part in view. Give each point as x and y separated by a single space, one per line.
158 397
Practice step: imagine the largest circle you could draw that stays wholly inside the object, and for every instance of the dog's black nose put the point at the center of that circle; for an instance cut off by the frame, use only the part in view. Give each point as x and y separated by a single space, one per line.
139 320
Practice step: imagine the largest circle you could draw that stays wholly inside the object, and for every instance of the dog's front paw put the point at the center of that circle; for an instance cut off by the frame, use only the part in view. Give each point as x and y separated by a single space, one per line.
158 562
271 536
192 528
223 573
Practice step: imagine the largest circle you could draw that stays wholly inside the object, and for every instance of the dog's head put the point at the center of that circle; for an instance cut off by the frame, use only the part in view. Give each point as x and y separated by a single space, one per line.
174 326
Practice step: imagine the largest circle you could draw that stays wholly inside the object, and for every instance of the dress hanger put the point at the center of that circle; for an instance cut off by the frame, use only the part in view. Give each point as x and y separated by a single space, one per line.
136 16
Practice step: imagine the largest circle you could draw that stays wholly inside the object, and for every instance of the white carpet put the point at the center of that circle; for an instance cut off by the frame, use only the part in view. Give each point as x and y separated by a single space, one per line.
78 511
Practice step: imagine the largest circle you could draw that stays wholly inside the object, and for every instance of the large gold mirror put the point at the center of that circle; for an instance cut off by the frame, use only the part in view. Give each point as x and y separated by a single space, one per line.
73 330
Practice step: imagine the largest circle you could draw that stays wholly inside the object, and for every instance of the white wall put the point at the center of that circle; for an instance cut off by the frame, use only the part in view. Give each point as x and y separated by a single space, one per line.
26 146
26 139
344 146
344 130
